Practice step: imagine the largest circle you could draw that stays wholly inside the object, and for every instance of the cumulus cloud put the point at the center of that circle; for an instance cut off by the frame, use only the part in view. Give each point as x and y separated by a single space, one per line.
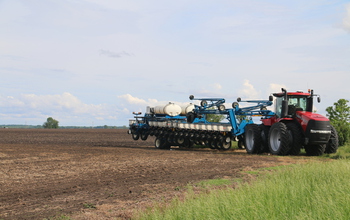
274 88
248 91
130 103
63 107
137 101
114 54
346 20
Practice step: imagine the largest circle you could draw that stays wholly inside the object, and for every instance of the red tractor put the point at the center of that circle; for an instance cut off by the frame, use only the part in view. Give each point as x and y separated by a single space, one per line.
294 126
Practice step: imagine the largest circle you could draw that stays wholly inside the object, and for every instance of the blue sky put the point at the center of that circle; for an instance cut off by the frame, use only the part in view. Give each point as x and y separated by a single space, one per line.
93 62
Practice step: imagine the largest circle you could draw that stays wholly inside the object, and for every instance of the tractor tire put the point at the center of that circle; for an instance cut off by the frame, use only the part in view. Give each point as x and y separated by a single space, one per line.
264 137
279 139
295 138
315 150
252 139
333 143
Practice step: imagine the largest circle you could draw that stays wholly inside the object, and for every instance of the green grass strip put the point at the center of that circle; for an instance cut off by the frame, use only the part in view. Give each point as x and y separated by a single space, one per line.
319 190
342 153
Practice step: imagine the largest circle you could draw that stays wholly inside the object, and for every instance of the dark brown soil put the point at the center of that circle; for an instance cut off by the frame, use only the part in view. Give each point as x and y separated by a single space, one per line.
103 173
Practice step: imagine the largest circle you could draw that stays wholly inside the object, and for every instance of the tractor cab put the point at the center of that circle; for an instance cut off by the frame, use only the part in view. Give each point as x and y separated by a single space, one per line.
288 103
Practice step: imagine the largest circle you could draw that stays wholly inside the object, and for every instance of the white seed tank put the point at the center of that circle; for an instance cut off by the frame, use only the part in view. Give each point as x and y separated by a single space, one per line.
170 109
185 108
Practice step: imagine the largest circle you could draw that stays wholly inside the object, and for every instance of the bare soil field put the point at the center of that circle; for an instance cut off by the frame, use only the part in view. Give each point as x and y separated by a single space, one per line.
103 173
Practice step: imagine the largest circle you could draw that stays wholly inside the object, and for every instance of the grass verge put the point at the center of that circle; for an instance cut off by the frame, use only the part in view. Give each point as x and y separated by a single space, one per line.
318 190
342 153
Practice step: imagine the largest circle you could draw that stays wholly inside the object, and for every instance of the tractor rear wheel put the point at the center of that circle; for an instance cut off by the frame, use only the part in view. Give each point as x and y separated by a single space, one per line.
264 137
296 138
279 139
252 139
333 143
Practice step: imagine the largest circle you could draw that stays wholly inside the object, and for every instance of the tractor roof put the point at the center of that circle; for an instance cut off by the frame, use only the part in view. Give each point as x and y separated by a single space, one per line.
298 93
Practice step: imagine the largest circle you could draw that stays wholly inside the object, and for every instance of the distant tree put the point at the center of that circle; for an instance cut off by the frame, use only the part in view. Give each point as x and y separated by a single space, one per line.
50 123
214 117
339 115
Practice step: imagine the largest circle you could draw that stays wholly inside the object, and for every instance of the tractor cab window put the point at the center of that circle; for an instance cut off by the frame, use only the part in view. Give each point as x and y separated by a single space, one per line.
297 102
278 106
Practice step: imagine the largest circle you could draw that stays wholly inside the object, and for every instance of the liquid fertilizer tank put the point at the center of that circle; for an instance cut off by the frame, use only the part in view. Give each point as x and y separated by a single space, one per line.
186 108
170 109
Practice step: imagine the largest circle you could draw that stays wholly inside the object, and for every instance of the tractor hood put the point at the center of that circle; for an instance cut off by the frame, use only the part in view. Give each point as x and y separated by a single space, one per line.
316 127
304 117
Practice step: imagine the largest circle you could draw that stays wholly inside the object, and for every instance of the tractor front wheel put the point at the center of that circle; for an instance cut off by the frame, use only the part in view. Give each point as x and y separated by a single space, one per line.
264 137
296 138
333 143
315 150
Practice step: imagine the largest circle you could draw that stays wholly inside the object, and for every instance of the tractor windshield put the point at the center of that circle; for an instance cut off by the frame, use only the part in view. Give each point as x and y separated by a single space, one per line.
297 102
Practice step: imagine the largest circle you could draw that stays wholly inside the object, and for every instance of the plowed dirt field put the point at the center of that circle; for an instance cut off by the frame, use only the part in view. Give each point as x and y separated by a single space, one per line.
103 173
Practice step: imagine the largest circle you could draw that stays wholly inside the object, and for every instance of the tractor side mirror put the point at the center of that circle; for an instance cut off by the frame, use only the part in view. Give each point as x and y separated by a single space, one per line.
270 98
318 99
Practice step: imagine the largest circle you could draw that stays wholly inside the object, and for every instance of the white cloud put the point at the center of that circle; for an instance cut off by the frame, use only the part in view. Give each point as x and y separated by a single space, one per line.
137 101
64 107
248 91
275 88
